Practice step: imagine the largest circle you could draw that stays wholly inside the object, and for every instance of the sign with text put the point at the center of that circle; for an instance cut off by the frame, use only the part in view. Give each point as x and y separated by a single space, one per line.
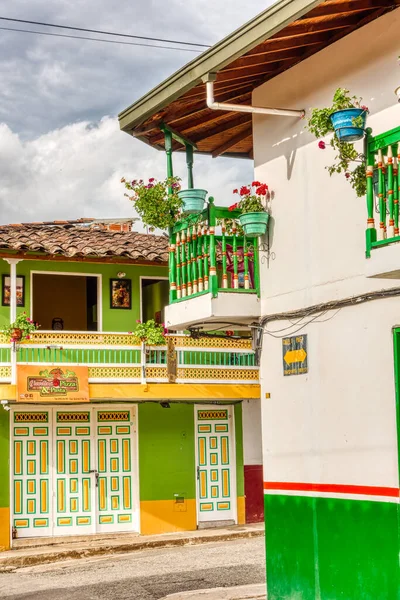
51 384
294 353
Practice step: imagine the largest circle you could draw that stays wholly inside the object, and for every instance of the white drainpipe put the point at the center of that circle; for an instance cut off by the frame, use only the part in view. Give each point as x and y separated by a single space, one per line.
283 112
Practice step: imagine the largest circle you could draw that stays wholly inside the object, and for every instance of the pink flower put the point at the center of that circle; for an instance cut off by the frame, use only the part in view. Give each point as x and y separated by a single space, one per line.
28 337
134 182
130 332
364 107
138 321
347 175
321 145
151 179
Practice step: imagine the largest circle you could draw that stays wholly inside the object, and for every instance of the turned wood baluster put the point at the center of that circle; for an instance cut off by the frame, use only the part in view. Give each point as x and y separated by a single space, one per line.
390 186
224 268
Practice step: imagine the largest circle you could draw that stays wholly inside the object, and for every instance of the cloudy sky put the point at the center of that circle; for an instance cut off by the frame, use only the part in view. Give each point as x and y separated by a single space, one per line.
61 152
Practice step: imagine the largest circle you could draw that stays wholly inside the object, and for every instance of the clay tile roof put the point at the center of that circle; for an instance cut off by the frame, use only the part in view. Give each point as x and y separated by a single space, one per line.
74 239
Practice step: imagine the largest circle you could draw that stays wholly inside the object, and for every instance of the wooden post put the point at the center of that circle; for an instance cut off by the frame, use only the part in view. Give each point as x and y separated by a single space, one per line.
370 234
13 312
172 266
213 282
189 163
390 191
381 195
224 267
200 257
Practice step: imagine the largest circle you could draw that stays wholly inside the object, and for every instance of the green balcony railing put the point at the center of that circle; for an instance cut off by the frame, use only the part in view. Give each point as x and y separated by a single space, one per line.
382 159
202 261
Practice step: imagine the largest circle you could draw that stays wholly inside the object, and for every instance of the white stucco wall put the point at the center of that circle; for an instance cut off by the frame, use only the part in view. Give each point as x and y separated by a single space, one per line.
318 224
336 424
251 414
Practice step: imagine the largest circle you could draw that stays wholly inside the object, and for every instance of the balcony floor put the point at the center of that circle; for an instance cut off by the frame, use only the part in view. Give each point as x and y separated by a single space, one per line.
228 309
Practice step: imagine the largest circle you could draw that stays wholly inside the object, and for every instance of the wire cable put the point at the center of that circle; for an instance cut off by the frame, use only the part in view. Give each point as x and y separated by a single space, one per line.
81 37
127 35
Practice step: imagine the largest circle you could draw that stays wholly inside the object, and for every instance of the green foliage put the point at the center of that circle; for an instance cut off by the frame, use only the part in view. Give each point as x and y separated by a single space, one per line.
24 324
150 332
156 202
320 125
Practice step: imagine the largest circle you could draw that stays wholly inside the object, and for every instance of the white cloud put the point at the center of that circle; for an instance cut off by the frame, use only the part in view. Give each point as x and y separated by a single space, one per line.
75 171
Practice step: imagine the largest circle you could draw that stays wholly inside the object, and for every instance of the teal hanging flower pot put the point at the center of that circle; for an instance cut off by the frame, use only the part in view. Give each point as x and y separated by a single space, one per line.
254 223
193 200
349 124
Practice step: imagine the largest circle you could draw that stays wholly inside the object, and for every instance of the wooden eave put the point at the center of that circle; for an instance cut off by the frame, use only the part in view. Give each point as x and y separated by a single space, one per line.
273 42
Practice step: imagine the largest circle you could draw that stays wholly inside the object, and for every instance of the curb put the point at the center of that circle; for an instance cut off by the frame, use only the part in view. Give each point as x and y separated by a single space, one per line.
241 592
49 557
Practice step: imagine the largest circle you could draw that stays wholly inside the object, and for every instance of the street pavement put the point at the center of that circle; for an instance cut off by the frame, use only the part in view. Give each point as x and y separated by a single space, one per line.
141 575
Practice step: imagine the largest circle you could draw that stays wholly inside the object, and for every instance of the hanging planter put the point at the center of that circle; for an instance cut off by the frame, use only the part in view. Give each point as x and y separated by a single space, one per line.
346 119
254 223
253 204
349 124
20 329
193 200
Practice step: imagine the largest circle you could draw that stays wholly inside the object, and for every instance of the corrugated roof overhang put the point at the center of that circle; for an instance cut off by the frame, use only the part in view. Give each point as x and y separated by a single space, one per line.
274 41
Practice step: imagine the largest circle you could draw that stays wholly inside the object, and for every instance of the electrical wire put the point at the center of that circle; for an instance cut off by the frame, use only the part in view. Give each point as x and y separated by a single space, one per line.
127 35
81 37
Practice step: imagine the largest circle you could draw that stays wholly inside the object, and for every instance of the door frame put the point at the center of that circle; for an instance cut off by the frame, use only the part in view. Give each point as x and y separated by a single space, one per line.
232 451
99 296
92 407
154 278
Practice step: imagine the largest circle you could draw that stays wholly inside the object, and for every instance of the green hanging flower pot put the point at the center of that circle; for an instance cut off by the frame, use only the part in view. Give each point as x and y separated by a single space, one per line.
254 223
193 200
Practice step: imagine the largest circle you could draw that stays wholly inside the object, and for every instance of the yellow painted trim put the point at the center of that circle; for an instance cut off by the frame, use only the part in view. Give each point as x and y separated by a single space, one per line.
165 516
86 494
174 391
8 392
241 510
159 391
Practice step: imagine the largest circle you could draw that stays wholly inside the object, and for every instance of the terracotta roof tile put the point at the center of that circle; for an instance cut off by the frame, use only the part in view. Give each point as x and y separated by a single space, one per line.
83 241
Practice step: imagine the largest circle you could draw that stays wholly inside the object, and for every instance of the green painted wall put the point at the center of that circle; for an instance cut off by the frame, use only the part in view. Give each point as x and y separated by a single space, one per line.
331 549
113 319
4 458
167 438
166 451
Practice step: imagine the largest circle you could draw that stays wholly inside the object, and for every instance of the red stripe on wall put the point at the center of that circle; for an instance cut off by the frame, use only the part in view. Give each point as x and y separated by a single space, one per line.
365 490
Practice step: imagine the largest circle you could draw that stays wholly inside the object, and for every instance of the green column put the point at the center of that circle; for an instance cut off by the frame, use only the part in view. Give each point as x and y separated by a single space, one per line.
213 280
189 163
224 267
172 266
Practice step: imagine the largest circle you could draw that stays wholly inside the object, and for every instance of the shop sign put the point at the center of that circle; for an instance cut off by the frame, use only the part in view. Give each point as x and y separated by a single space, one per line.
294 353
52 383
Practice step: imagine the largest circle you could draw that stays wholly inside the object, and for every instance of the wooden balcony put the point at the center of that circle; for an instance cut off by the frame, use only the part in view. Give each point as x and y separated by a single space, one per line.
214 278
114 358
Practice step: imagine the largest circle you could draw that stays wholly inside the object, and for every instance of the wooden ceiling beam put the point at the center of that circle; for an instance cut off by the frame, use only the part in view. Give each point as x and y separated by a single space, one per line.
243 73
218 89
295 41
213 119
227 125
232 141
260 59
318 25
345 7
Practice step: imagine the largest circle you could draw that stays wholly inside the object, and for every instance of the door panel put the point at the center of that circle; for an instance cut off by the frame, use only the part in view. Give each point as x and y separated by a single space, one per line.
74 471
74 477
216 471
114 447
31 434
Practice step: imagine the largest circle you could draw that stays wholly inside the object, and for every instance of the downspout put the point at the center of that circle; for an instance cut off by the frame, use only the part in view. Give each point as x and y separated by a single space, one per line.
283 112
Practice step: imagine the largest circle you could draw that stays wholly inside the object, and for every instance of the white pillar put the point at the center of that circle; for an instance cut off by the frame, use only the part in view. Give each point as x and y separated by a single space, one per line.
13 310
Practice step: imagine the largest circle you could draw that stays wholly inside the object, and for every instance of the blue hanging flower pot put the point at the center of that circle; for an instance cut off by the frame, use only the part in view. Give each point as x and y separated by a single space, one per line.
193 200
343 122
254 223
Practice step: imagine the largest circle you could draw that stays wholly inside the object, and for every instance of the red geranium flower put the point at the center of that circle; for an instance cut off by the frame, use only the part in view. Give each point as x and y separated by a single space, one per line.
321 145
262 189
233 207
256 183
235 192
244 190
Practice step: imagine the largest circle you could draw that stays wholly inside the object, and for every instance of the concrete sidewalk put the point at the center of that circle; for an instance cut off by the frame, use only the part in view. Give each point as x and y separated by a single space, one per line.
242 592
48 550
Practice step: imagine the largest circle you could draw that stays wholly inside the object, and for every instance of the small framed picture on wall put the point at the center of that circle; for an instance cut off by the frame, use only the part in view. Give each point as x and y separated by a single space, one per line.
120 293
6 290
